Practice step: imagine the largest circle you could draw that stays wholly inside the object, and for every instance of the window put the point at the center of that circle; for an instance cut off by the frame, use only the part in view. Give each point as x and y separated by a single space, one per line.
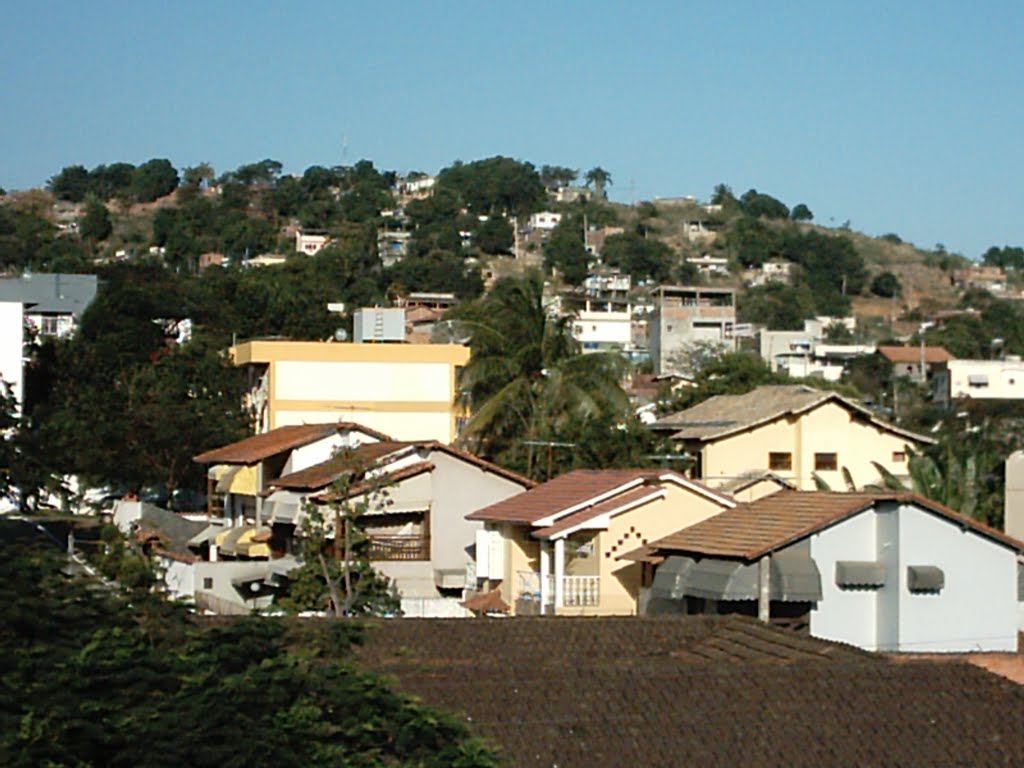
899 457
780 460
207 582
826 462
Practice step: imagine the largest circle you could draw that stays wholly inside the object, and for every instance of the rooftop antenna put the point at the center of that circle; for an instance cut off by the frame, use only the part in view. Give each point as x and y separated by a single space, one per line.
344 149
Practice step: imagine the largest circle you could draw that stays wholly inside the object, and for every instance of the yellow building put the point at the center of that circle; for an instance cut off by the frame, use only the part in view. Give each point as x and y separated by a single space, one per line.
793 431
404 390
555 548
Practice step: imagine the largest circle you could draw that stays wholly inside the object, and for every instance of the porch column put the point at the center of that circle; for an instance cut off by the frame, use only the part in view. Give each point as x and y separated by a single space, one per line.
259 494
764 588
559 573
545 573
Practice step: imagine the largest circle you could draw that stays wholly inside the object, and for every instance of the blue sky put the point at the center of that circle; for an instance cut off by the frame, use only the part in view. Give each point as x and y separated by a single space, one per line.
899 117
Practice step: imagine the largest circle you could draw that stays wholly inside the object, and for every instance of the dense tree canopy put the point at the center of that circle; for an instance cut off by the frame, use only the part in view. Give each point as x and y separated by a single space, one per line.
92 680
497 185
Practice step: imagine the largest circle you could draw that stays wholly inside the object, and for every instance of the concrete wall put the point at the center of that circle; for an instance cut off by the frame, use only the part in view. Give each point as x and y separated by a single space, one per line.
976 610
1003 379
603 328
829 428
1013 505
845 615
404 390
11 341
459 488
219 594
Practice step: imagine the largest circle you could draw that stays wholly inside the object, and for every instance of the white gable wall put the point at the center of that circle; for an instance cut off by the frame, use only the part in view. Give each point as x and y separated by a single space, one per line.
976 610
845 615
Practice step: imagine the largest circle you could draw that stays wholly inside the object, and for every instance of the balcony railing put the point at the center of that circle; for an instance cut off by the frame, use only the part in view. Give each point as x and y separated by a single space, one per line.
399 548
577 591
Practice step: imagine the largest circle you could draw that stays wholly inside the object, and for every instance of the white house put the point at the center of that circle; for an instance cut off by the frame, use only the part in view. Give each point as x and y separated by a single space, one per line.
545 220
12 325
310 243
983 379
884 571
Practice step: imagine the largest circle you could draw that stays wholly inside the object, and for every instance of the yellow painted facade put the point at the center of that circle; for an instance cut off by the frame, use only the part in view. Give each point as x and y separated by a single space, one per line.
404 390
808 439
618 580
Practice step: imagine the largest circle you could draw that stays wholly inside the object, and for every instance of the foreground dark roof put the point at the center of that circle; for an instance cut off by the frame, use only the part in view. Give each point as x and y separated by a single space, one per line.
756 528
707 691
257 447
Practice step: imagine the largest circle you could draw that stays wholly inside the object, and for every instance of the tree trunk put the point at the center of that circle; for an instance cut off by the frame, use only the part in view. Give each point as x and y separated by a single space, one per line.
332 586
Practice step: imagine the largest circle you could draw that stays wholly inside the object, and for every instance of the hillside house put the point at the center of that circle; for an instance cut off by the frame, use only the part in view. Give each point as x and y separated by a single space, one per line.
553 549
917 363
882 571
688 315
801 434
979 379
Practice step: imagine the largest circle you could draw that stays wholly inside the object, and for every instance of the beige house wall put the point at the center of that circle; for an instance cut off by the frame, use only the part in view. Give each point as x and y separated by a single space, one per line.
619 579
829 428
405 390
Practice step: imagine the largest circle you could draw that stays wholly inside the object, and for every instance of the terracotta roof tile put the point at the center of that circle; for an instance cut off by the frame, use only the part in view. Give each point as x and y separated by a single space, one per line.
261 446
754 529
724 415
561 493
627 499
896 354
326 472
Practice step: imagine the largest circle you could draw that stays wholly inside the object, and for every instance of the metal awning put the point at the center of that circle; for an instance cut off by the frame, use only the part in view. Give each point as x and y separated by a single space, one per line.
670 578
859 573
282 506
925 578
715 579
795 577
207 535
977 379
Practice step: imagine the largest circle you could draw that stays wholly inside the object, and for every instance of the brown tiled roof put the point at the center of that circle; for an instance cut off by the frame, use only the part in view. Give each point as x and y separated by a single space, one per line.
366 454
725 415
754 529
695 690
358 459
619 501
344 426
266 444
412 470
483 464
573 488
896 354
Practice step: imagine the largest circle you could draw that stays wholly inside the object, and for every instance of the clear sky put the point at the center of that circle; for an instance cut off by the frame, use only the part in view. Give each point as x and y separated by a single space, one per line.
898 116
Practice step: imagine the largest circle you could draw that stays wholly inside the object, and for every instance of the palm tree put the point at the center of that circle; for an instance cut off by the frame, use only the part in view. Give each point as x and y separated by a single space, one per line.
526 377
599 178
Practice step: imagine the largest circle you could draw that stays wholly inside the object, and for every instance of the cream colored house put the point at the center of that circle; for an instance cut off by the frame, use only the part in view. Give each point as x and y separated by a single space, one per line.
553 549
405 390
796 432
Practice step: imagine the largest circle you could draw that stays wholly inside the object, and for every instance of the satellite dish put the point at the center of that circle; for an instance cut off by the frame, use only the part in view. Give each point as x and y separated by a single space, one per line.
341 335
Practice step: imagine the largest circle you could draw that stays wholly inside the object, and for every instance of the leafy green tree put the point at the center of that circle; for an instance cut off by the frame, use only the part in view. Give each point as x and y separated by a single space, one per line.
731 373
753 242
154 179
643 258
91 679
71 184
1007 256
759 205
723 195
565 251
555 176
110 181
886 285
801 212
599 179
96 224
336 571
437 271
777 306
497 185
495 235
526 376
